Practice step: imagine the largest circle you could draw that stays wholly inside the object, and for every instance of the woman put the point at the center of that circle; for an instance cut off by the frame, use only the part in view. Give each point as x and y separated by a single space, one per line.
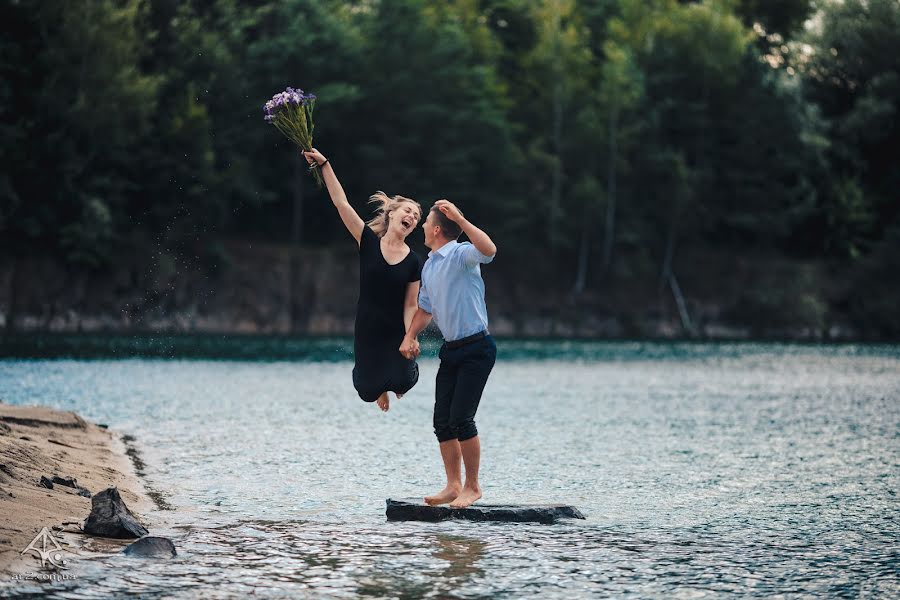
389 273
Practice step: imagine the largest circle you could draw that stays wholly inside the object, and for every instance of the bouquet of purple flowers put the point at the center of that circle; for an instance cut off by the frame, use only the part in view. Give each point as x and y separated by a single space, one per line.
291 112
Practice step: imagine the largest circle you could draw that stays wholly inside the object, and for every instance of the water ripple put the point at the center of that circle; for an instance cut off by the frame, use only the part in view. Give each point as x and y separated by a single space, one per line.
757 470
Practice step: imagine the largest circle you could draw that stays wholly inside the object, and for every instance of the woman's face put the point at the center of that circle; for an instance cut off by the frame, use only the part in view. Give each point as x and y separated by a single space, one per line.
404 219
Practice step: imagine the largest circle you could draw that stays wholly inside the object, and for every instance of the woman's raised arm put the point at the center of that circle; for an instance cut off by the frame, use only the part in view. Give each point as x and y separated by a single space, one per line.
352 221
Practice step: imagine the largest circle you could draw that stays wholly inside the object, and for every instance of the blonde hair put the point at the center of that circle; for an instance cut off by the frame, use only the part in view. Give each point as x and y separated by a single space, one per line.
385 205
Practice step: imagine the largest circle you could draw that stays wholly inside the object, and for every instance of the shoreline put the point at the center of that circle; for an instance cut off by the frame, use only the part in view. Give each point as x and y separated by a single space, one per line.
38 441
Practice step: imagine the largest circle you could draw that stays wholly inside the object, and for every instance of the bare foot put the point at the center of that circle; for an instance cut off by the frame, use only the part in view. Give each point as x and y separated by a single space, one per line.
399 396
448 494
383 402
467 497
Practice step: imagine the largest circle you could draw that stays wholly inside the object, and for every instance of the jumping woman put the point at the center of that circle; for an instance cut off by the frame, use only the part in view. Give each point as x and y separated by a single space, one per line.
389 273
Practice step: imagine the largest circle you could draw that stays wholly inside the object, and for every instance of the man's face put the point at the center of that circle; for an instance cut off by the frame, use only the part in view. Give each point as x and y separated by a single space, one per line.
429 226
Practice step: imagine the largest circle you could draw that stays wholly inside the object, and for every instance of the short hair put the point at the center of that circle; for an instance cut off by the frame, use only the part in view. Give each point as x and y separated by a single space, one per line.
450 228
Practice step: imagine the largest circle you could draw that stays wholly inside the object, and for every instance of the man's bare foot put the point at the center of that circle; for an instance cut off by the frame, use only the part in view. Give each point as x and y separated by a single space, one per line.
383 402
466 497
448 494
399 396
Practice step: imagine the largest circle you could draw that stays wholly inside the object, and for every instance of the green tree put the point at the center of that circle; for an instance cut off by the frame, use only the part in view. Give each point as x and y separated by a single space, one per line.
853 77
75 106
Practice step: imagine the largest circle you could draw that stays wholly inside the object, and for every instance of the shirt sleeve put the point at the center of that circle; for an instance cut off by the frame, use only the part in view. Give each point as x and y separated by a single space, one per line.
424 299
415 273
471 256
365 238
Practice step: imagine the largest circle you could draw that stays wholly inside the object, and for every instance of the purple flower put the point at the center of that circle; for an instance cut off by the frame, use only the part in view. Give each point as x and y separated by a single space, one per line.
290 96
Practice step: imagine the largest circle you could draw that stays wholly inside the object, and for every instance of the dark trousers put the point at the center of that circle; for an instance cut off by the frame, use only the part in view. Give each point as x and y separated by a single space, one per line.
460 381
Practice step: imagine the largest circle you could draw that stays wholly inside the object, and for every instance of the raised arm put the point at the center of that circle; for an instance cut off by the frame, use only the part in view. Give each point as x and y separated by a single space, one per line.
479 239
351 219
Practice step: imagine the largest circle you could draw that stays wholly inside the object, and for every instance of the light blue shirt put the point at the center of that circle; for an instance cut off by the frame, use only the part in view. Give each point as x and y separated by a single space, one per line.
452 290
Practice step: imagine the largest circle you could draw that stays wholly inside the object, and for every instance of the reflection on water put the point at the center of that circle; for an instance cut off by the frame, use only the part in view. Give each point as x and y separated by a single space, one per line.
703 469
462 555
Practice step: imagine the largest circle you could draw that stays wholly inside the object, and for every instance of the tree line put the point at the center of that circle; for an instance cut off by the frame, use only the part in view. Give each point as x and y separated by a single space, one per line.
600 141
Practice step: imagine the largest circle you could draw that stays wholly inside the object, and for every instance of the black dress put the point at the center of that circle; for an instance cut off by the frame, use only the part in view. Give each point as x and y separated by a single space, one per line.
379 327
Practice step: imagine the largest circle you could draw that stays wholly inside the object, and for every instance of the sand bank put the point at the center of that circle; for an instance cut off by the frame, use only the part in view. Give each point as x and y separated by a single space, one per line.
40 442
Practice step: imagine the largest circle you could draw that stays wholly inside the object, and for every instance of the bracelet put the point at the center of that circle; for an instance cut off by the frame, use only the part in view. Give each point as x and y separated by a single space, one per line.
322 164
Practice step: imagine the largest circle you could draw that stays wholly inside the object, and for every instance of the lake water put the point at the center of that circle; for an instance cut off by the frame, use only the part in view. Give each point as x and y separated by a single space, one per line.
756 469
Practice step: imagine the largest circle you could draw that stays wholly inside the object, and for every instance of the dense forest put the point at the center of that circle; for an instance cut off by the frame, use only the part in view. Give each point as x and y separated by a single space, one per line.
617 150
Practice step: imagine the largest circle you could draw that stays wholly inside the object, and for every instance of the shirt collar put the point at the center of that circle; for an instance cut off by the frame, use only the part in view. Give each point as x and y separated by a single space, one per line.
445 249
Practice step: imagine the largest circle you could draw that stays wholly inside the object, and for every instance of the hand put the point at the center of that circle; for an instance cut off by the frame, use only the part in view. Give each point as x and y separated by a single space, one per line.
313 156
449 209
410 348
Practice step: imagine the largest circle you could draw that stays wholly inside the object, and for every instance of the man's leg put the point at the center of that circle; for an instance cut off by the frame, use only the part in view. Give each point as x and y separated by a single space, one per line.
471 455
450 453
445 384
471 378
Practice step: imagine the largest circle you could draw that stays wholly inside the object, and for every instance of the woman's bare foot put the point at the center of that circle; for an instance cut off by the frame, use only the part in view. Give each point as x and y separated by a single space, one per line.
466 497
383 402
448 494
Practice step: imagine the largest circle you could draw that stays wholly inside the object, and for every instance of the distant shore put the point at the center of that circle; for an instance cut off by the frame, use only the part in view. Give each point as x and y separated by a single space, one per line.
38 442
282 290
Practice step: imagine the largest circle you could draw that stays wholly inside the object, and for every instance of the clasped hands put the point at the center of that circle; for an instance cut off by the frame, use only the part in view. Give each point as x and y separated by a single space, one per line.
410 348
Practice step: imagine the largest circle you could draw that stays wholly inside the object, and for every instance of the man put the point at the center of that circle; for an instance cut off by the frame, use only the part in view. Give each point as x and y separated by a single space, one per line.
452 293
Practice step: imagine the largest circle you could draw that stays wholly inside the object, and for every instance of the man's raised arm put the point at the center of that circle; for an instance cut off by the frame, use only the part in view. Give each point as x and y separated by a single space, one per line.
482 241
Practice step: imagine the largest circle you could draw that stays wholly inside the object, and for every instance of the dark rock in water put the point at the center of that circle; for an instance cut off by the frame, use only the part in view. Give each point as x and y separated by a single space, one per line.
414 510
72 483
46 483
151 547
111 518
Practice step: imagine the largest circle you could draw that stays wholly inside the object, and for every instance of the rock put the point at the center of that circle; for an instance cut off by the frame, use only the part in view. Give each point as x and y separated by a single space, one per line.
72 483
68 481
111 518
151 547
413 510
46 483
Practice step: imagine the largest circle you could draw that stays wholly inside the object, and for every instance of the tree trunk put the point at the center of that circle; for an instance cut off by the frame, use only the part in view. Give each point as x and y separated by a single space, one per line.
297 312
682 306
584 251
556 190
13 288
667 276
609 234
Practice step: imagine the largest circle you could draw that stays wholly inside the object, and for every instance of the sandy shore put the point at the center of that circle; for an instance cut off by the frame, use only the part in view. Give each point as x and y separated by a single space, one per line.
38 441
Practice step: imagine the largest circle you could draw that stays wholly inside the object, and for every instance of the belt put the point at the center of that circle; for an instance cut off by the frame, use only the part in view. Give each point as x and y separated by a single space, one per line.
466 340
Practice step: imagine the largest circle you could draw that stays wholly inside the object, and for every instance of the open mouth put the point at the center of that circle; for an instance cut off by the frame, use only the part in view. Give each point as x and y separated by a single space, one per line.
407 222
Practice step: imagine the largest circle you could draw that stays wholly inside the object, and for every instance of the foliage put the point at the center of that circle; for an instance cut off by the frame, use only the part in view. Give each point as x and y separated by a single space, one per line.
583 134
